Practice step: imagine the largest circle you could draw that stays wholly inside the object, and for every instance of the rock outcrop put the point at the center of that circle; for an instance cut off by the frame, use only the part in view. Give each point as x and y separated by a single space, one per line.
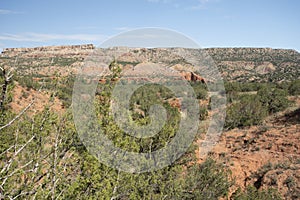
191 76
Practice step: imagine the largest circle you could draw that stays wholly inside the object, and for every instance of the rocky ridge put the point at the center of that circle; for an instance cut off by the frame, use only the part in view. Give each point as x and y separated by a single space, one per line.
235 64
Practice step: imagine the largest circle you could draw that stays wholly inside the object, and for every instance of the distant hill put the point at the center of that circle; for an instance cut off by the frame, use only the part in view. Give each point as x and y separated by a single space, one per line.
257 64
235 64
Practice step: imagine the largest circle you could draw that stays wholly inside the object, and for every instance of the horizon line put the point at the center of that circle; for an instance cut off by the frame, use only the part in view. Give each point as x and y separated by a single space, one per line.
206 47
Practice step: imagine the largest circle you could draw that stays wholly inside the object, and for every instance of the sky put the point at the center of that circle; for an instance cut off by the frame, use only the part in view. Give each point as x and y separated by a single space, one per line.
211 23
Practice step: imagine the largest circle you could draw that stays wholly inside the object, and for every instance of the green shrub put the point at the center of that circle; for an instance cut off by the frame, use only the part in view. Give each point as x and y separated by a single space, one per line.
200 90
247 111
206 181
273 99
252 193
294 88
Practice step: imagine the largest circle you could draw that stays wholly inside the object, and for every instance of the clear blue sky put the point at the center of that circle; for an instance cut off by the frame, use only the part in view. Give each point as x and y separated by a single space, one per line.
211 23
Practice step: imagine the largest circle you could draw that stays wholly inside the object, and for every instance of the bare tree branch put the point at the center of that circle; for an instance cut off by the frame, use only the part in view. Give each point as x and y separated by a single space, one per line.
18 116
15 171
6 167
7 76
54 166
114 196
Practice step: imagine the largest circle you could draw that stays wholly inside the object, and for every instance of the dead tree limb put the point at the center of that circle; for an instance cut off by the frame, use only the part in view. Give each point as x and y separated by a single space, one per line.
7 76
